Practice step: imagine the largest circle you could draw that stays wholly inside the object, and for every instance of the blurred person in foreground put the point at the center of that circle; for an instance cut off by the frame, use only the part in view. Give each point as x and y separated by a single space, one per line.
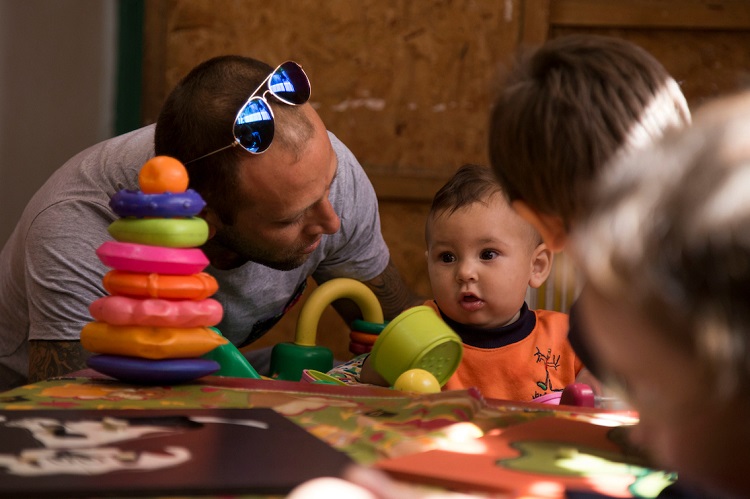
665 251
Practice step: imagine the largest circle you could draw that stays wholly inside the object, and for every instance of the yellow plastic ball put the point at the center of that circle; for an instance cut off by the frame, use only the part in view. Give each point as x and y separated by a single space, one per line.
418 381
162 174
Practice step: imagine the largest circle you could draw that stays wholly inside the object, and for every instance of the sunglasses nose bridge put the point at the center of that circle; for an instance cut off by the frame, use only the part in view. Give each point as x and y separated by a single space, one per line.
263 94
278 97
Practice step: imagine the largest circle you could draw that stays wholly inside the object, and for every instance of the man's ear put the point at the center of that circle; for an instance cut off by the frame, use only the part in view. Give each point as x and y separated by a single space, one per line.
541 265
550 227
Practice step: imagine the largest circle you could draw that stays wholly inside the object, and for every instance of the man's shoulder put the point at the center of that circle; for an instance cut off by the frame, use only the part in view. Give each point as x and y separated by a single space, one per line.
338 146
81 188
351 177
345 156
129 148
110 165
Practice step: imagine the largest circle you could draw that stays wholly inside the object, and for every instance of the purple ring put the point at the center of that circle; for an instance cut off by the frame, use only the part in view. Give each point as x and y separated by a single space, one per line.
129 203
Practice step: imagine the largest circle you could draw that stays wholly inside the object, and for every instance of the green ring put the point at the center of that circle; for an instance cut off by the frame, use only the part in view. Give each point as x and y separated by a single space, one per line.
364 326
170 232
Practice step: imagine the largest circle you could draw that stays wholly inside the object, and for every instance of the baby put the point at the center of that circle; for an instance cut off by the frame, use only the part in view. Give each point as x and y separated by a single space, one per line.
481 259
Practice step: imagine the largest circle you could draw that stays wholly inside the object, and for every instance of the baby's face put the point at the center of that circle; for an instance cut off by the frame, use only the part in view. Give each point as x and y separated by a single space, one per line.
479 260
704 442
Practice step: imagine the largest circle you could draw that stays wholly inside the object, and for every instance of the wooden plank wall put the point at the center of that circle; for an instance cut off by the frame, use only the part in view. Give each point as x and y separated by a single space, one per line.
408 85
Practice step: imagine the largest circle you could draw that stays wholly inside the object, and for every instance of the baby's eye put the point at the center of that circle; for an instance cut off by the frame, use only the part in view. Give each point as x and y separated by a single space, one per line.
488 254
447 257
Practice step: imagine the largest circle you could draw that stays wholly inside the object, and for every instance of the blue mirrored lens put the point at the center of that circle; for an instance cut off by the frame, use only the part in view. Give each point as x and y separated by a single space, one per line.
289 83
253 127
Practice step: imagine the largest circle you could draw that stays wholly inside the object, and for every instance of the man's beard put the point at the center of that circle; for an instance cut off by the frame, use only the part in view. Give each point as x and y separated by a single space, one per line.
245 251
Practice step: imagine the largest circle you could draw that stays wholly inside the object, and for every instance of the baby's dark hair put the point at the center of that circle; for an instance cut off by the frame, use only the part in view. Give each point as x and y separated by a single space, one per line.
470 184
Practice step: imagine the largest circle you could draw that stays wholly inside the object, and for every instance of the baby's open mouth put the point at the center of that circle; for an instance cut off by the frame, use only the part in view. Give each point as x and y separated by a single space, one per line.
471 302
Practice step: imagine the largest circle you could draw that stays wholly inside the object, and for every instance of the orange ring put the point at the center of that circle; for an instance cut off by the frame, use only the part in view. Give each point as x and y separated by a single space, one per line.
149 342
364 338
187 287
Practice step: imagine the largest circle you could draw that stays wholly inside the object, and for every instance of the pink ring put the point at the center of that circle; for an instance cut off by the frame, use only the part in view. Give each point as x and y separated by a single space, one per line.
126 311
145 259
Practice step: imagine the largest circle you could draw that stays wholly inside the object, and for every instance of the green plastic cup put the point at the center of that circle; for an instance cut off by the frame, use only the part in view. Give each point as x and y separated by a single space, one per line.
418 338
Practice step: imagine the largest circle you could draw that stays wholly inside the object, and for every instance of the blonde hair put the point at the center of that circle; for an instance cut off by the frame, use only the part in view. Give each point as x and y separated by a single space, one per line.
668 234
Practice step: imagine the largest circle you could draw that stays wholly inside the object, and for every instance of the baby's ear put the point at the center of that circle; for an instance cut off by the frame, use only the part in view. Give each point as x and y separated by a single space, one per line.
550 227
541 265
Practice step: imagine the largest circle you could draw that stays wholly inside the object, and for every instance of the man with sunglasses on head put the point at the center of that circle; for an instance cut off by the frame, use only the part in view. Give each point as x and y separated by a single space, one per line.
286 200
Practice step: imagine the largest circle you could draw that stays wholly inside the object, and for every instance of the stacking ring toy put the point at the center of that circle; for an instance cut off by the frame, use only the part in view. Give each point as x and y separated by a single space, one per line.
146 259
171 232
149 342
125 311
129 203
183 287
289 359
148 371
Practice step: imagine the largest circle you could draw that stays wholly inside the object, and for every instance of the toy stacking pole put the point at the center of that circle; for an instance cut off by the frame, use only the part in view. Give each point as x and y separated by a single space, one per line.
288 360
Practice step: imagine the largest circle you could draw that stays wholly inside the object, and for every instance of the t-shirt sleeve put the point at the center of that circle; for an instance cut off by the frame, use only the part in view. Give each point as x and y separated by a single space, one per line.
63 272
358 250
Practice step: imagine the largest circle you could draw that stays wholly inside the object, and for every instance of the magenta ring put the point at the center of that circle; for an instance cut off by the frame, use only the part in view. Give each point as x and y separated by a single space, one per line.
146 259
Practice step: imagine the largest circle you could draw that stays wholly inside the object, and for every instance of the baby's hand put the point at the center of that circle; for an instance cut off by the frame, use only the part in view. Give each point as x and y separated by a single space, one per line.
369 375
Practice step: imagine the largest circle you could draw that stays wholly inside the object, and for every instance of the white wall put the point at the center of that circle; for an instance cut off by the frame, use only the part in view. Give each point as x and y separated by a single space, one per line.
57 77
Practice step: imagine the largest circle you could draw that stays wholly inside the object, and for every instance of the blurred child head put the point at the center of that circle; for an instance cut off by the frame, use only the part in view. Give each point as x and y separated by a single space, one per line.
564 111
481 256
665 251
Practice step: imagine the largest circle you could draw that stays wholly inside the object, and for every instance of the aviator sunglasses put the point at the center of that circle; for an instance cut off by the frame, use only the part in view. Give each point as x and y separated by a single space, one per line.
253 127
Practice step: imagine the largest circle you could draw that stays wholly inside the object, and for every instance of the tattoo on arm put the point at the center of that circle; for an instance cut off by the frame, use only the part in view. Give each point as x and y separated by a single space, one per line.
55 358
392 292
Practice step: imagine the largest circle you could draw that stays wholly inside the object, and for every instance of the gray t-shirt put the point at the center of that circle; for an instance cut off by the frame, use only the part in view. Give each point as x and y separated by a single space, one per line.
50 274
